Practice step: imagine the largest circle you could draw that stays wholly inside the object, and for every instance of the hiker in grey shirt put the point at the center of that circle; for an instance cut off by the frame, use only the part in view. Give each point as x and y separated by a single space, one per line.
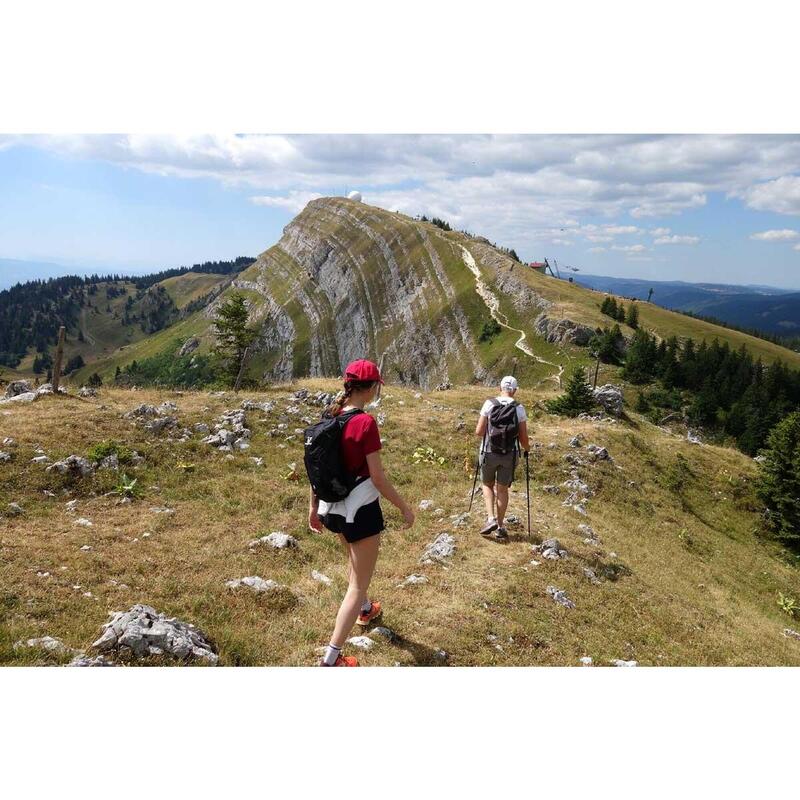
501 432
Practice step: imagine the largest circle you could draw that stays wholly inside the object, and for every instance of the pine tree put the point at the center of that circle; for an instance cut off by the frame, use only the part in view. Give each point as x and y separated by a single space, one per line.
577 399
621 312
639 360
632 317
779 480
233 335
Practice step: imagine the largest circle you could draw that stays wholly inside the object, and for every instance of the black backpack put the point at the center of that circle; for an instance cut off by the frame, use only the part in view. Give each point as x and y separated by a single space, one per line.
503 427
327 475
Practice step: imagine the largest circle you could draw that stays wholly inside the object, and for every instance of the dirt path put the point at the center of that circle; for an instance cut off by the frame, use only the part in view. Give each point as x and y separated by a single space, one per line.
493 304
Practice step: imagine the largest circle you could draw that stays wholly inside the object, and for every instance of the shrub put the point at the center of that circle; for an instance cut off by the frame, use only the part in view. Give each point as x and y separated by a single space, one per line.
110 447
489 330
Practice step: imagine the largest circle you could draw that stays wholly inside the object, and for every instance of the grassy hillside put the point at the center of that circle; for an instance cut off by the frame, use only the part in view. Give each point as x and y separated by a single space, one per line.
684 578
583 305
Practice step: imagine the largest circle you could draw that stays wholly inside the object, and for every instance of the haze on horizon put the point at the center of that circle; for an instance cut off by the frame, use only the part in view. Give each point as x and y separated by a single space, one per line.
713 209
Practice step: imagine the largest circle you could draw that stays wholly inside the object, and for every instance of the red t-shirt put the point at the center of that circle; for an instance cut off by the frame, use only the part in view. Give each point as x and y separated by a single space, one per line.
360 437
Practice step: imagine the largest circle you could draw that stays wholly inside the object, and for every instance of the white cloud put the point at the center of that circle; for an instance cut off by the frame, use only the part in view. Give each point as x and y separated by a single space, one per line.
617 229
796 247
660 231
781 195
510 188
675 239
596 250
783 235
631 248
294 201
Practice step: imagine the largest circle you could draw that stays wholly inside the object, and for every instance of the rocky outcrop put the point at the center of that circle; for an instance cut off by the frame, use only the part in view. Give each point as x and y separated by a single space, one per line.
189 346
562 331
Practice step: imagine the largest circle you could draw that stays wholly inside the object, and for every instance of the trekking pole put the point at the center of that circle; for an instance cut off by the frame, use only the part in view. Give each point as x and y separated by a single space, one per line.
474 484
475 480
528 492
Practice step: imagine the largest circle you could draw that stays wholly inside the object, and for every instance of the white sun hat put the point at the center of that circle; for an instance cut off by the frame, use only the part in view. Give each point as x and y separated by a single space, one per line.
509 383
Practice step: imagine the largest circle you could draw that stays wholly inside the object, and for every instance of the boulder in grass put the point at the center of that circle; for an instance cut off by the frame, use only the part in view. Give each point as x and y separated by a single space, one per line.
141 631
361 642
413 580
424 505
49 643
560 596
77 466
277 539
598 453
441 548
619 662
15 509
255 583
384 633
25 397
320 578
551 549
87 391
609 398
15 388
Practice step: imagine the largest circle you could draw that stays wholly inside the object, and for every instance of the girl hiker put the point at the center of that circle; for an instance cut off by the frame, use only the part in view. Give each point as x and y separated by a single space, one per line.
502 428
347 442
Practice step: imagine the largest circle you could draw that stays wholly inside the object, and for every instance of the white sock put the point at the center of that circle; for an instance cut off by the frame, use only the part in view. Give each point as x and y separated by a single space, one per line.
332 652
366 606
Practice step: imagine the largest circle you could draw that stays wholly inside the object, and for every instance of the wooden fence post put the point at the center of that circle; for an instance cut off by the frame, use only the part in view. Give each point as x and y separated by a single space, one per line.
59 357
241 370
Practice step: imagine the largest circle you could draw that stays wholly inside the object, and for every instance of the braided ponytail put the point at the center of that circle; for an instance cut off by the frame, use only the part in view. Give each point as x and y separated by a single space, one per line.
341 399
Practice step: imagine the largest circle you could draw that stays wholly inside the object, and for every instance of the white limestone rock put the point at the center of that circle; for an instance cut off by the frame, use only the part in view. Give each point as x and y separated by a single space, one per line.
560 596
277 539
255 583
141 632
440 549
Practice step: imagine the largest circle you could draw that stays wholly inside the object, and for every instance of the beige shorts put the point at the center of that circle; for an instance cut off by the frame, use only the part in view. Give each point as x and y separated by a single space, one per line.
498 467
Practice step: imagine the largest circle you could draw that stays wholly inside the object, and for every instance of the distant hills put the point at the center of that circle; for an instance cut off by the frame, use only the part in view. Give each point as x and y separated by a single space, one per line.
766 308
13 271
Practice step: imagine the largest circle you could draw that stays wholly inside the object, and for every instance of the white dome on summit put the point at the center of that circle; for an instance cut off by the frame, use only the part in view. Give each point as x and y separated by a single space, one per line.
354 195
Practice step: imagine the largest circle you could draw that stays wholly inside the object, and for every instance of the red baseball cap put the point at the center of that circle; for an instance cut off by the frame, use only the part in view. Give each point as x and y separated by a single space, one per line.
363 370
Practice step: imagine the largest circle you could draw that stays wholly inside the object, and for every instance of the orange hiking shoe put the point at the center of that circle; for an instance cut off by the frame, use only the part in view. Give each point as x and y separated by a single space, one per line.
373 613
341 661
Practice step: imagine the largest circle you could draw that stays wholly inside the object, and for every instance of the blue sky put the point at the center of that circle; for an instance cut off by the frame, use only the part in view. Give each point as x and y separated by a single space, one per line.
720 209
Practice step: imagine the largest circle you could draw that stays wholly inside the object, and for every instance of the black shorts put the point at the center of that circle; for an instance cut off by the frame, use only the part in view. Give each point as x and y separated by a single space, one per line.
367 522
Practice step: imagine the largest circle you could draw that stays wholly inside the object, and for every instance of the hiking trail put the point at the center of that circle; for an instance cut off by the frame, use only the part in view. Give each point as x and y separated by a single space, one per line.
493 304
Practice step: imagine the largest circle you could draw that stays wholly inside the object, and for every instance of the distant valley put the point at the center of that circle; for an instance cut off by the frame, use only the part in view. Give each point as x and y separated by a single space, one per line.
768 309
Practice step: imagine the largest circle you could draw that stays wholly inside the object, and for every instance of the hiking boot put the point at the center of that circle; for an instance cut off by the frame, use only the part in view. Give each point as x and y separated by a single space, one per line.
373 613
491 524
341 661
501 535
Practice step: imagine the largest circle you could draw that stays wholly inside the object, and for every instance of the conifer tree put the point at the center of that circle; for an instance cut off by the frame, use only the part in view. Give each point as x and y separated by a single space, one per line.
779 480
233 335
578 397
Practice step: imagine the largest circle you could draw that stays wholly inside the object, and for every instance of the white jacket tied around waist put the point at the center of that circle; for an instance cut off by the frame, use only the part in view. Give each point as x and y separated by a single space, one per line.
363 494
